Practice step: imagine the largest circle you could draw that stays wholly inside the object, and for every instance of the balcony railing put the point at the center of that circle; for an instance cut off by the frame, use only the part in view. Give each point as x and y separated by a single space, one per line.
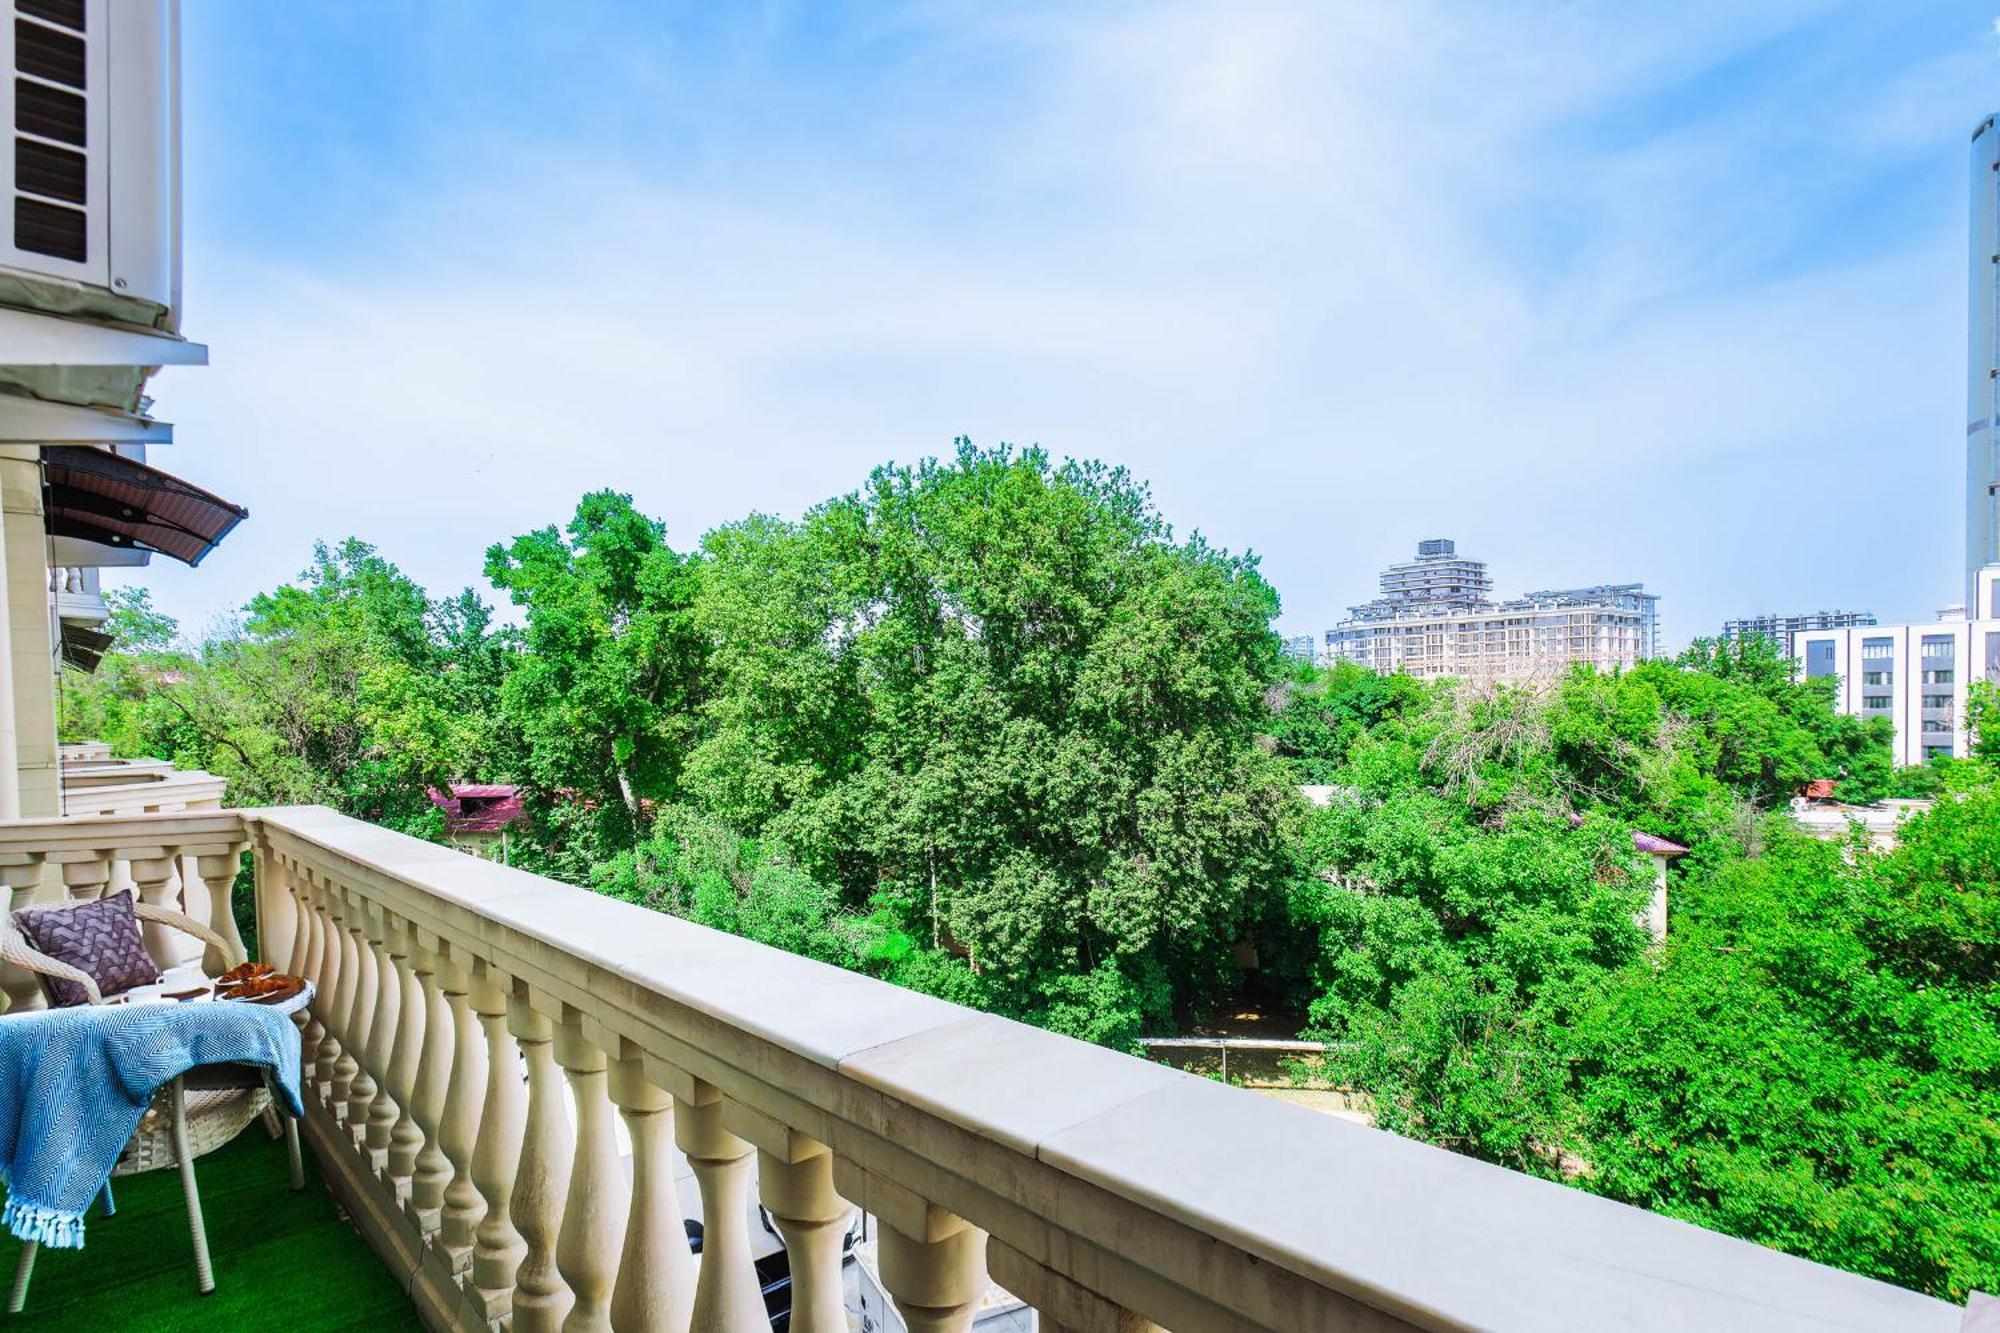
456 998
77 594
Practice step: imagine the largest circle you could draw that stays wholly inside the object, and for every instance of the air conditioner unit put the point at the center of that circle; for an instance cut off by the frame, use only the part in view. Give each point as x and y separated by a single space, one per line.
90 212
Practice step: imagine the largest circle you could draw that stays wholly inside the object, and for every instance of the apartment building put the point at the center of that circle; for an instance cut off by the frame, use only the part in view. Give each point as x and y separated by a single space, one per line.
1783 629
1914 675
1434 618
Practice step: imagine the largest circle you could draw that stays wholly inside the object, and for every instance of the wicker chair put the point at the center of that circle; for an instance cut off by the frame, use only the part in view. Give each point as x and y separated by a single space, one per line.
198 1112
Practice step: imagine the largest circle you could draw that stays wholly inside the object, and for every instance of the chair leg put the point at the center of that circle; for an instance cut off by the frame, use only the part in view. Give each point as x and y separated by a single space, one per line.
270 1118
19 1296
110 1204
204 1274
292 1151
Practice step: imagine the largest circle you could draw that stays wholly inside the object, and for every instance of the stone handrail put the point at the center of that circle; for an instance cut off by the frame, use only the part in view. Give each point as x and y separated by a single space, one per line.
457 996
186 861
142 793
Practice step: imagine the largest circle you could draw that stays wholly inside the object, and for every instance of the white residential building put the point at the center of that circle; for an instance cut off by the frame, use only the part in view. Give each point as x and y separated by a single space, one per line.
1914 675
1434 619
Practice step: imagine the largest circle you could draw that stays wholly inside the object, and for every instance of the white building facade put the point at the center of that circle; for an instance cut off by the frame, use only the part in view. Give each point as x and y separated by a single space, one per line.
1434 619
1914 675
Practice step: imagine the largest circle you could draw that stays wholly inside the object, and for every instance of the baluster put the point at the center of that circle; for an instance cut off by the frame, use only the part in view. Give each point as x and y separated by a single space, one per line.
458 1130
497 1246
152 870
656 1269
21 875
541 1298
312 931
84 874
727 1297
593 1220
218 869
795 1181
1061 1305
361 1023
338 1071
379 1054
431 1171
405 1138
281 926
933 1261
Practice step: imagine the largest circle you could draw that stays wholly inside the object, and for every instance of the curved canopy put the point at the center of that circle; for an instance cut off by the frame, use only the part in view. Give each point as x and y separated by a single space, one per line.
100 496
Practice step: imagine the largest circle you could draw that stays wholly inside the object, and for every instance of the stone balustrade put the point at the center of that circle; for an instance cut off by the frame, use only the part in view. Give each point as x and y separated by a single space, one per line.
462 1007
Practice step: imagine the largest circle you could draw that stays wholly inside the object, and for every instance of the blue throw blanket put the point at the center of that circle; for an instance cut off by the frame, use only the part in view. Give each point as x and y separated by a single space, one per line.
74 1084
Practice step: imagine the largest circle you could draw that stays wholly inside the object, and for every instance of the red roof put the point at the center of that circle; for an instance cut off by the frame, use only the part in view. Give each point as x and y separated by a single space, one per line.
479 807
1819 789
1656 846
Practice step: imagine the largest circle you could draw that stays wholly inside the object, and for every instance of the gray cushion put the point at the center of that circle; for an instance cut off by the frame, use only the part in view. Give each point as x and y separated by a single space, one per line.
99 937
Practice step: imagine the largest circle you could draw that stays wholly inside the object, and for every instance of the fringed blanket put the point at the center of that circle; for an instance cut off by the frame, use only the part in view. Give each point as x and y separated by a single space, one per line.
74 1084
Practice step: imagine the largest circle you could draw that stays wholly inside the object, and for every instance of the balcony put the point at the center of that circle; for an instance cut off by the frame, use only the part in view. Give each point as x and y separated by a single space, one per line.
78 598
500 1069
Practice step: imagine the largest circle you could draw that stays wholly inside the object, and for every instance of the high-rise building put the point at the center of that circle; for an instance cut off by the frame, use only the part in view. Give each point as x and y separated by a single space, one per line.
1783 629
1982 389
1301 648
1916 675
1434 618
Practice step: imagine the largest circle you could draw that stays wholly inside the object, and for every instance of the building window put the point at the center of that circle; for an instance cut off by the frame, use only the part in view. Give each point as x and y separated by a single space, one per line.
1937 645
1937 724
1993 652
1937 701
1878 649
1875 677
1938 676
1935 751
1819 658
1874 701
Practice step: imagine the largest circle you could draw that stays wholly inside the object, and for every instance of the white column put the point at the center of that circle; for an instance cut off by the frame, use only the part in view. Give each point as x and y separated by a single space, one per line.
458 1129
405 1137
433 1168
934 1266
656 1275
593 1219
796 1186
541 1298
497 1247
727 1297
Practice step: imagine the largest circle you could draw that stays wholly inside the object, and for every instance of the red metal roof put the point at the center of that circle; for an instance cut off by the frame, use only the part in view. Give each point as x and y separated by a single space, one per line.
479 807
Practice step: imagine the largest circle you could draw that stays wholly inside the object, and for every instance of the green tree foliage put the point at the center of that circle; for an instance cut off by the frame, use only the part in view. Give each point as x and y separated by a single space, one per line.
986 728
1808 1062
1010 716
348 686
603 697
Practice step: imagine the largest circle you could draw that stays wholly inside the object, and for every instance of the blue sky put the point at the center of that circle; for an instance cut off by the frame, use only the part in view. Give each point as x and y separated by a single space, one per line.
1604 291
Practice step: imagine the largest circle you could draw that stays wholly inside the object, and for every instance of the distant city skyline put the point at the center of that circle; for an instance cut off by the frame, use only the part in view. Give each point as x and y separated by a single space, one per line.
1697 270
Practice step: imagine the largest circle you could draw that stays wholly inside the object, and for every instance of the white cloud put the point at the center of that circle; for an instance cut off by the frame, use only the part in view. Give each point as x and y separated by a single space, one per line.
1332 279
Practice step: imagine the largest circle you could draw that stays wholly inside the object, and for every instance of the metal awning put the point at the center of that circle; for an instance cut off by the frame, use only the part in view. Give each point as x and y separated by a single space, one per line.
85 648
99 496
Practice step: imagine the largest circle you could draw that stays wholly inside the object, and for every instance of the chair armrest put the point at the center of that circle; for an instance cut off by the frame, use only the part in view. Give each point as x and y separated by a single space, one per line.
16 950
184 923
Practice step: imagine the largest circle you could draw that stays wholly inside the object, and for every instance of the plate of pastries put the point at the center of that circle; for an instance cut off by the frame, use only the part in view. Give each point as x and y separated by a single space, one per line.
257 983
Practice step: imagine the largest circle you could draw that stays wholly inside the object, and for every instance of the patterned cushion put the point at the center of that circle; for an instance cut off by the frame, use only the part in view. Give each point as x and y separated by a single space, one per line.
99 937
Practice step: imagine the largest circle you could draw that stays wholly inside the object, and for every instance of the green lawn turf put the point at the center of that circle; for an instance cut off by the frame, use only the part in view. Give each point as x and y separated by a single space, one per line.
282 1260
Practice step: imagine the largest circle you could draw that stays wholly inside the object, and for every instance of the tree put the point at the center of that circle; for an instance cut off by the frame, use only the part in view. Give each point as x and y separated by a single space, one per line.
604 697
997 703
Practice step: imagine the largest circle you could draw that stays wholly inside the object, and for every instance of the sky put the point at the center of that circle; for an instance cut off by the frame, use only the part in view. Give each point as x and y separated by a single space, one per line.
1605 292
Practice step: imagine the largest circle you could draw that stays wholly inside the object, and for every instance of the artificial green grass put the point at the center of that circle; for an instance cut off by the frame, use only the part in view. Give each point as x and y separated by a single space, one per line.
282 1260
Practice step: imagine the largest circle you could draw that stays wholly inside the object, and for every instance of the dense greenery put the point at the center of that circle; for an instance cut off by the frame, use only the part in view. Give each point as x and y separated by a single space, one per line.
986 727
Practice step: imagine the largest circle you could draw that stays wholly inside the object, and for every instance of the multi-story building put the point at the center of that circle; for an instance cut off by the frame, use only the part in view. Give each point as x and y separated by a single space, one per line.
1916 675
1982 376
1783 629
1301 648
1434 618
